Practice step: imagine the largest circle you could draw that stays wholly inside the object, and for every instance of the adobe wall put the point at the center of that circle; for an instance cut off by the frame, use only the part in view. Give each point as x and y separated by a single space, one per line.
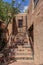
21 16
30 14
35 17
38 33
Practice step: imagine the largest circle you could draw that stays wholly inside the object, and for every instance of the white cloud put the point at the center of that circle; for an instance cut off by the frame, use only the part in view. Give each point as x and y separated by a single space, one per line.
25 8
19 2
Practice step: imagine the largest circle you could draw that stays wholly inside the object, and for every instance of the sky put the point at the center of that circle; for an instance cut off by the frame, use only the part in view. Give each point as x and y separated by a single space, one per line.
25 4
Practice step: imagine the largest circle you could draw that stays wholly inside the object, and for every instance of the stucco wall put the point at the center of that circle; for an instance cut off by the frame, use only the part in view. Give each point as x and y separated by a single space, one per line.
38 33
36 18
21 16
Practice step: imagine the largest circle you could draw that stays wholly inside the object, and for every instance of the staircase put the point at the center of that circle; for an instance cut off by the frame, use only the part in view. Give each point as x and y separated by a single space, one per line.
24 51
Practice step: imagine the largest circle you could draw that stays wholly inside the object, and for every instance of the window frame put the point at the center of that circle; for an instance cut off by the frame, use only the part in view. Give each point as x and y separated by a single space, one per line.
20 23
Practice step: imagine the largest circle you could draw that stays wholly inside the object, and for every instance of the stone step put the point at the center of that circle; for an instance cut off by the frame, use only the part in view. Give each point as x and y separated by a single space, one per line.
25 40
25 45
23 58
30 60
23 55
23 52
26 62
23 49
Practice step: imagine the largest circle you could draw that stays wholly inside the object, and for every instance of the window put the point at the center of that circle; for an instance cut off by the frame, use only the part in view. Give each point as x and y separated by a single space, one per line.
35 3
20 23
